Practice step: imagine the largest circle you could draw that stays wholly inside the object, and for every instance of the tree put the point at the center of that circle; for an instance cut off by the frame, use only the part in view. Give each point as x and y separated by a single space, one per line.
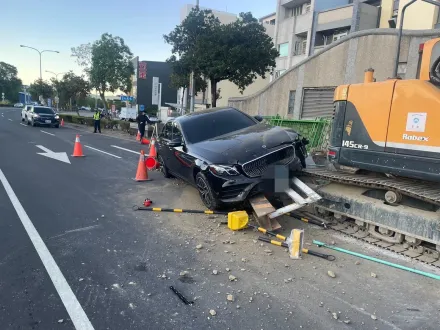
83 54
41 87
10 84
239 52
111 67
71 89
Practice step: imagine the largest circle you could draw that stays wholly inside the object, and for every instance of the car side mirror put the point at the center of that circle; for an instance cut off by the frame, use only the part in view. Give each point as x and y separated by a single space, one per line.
259 118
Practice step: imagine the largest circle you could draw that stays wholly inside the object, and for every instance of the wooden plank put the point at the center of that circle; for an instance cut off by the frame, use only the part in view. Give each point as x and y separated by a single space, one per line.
274 224
261 206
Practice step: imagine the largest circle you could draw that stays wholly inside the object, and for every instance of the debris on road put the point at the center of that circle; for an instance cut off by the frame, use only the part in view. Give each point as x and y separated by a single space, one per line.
60 320
198 247
335 316
181 297
232 278
373 275
331 274
230 297
374 317
81 279
213 312
215 271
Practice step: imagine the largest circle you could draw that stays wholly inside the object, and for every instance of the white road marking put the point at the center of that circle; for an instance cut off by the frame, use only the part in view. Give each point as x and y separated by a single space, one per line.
61 156
9 119
47 133
73 307
104 152
135 152
23 124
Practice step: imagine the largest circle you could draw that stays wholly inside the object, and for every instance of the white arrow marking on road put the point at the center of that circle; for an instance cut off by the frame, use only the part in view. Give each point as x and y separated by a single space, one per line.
47 133
61 156
135 152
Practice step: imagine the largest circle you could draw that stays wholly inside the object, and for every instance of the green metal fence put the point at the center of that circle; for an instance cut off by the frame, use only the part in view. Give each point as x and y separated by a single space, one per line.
317 131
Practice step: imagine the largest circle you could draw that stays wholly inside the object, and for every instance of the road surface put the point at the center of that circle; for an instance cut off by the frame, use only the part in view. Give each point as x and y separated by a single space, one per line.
73 253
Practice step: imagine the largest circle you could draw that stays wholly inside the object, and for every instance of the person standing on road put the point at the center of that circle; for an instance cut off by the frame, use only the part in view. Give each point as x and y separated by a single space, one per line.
142 122
97 117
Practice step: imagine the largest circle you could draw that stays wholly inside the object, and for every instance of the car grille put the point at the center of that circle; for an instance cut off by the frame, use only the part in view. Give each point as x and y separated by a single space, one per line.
232 191
257 167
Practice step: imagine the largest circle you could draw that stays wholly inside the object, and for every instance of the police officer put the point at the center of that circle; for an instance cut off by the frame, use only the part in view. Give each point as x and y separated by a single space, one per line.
142 120
97 117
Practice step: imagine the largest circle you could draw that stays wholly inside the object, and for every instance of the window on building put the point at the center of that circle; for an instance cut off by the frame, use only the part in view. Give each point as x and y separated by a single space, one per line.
300 47
278 73
291 102
272 22
283 49
295 11
338 36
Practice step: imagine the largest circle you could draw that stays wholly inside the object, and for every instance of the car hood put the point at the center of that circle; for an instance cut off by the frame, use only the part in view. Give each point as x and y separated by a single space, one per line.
242 146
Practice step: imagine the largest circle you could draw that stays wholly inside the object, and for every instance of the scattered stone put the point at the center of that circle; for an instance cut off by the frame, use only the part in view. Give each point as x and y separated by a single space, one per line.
215 271
198 247
286 265
243 259
332 243
132 283
251 299
254 241
321 304
102 216
238 307
373 275
335 316
81 279
230 297
357 263
331 274
131 305
232 278
184 273
347 321
228 270
374 317
60 320
268 251
213 312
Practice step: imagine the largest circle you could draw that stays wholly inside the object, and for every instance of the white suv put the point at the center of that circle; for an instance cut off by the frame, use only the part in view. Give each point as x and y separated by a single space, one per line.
24 112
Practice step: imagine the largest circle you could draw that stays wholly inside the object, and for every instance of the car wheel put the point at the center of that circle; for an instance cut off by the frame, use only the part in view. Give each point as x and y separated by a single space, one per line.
163 168
206 193
22 119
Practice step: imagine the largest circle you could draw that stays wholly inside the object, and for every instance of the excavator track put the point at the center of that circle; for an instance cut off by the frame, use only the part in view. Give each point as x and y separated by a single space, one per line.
420 253
422 190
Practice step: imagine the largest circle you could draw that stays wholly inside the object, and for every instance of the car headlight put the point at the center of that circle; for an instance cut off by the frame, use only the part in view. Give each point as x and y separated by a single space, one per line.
57 117
223 170
36 116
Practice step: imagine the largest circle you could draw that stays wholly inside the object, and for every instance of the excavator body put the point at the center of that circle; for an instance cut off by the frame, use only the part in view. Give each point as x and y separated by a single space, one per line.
392 126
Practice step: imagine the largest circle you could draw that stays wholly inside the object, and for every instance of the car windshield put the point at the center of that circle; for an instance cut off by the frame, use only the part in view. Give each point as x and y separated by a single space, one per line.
43 110
210 125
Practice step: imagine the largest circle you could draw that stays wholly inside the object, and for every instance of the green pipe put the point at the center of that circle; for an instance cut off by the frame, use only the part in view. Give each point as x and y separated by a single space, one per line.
437 277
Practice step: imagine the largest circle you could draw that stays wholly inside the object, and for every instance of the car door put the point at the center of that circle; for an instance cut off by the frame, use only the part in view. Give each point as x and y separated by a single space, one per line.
182 162
165 151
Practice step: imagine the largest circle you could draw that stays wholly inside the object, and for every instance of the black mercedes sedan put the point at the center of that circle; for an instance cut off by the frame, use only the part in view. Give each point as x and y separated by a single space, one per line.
42 116
225 152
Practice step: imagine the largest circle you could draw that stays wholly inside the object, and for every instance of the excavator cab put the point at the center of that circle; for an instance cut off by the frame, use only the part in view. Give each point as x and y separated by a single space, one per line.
391 126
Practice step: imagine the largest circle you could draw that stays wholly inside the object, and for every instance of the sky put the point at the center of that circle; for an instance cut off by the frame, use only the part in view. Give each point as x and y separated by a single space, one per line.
62 24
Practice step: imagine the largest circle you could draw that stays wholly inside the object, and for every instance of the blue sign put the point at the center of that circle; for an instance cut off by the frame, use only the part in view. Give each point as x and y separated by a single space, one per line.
141 107
126 98
49 102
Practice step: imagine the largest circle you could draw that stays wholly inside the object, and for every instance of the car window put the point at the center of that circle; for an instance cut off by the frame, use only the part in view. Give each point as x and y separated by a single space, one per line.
177 134
167 131
43 110
210 125
28 108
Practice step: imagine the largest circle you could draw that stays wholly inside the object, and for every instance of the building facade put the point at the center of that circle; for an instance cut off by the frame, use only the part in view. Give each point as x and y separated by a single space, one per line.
142 89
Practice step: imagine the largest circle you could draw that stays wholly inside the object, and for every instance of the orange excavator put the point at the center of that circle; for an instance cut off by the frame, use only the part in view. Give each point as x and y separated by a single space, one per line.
385 148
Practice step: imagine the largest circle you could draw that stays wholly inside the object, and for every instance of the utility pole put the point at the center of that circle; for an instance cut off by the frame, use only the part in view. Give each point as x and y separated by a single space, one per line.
40 52
191 80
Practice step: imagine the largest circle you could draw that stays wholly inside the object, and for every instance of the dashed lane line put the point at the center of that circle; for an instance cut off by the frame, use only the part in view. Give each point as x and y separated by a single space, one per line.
71 303
104 152
135 152
23 124
47 133
9 119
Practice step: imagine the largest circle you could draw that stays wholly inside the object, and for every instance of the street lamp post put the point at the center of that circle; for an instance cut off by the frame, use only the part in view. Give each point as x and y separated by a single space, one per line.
56 78
40 52
192 81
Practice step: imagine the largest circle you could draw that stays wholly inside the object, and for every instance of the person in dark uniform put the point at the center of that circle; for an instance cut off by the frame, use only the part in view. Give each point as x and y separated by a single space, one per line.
97 117
142 121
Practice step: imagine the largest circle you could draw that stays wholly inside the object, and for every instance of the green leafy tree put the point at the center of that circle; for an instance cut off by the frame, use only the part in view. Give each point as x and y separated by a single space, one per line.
41 87
239 52
10 84
111 68
71 89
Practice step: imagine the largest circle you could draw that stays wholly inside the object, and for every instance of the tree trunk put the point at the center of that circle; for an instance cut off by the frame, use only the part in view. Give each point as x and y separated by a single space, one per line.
103 100
182 110
213 93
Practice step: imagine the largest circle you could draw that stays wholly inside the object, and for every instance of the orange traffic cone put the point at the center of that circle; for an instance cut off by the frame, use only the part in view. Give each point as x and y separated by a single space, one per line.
62 122
141 173
77 149
138 136
153 152
145 141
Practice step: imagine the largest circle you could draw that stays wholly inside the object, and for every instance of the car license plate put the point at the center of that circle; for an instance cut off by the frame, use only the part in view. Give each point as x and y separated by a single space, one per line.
47 121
